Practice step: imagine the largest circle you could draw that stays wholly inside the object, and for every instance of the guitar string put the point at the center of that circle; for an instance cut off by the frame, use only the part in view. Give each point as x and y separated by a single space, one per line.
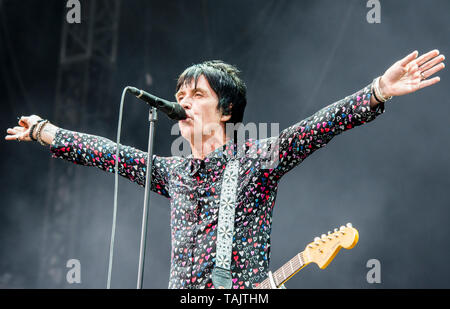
295 264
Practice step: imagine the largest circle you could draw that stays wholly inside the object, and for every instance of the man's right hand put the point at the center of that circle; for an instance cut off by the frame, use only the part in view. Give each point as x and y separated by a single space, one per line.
22 132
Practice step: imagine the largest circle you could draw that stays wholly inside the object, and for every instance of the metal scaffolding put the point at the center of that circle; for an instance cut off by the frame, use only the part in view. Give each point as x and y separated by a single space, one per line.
86 66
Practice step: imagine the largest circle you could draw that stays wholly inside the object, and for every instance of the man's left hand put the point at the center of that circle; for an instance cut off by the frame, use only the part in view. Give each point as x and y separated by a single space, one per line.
411 73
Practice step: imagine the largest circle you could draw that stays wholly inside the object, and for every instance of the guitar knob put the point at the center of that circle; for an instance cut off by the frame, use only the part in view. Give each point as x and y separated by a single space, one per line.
349 225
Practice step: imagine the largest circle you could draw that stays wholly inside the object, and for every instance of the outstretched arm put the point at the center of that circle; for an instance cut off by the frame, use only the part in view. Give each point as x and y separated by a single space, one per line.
100 152
297 142
91 150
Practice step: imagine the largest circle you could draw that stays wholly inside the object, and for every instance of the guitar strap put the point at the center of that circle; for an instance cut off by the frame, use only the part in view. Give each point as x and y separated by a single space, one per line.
221 275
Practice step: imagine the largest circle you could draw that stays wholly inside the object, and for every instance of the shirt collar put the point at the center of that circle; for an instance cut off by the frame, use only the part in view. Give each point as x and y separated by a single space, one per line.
221 154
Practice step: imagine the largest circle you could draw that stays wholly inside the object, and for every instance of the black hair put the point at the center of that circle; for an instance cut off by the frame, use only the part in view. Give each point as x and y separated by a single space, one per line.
225 81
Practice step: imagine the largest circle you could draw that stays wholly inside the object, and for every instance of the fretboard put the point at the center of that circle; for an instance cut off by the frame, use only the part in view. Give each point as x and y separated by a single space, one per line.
284 272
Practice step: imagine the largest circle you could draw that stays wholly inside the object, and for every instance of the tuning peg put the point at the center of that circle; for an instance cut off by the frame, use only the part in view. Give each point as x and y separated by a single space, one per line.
335 230
349 225
329 232
342 228
316 240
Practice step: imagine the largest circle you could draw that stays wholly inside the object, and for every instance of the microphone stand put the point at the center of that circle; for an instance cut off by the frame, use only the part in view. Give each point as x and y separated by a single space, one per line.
152 118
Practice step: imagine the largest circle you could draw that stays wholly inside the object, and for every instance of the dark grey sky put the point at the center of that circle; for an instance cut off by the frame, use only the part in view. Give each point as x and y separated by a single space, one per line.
390 177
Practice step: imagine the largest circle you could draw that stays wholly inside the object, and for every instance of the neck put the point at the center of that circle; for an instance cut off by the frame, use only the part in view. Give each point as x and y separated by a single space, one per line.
285 272
207 144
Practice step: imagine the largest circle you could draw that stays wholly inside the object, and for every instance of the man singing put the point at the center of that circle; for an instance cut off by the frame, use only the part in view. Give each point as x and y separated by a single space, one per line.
222 195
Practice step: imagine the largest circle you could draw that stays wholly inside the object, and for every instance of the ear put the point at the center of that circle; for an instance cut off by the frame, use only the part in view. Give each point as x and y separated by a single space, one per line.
225 118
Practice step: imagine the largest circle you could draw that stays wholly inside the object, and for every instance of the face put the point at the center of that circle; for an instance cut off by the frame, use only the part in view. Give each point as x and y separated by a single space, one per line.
201 105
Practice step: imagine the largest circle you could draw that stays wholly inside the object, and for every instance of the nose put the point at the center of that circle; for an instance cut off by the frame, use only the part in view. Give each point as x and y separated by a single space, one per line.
185 104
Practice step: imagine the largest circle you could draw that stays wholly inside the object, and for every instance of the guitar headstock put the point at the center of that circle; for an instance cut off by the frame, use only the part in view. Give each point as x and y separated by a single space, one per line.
323 250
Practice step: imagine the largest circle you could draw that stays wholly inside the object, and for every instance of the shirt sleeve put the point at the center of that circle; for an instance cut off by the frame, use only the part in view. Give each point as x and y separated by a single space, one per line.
297 142
91 150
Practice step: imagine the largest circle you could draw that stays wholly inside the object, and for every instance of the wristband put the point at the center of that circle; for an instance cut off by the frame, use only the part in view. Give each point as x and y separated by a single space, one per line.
377 92
30 134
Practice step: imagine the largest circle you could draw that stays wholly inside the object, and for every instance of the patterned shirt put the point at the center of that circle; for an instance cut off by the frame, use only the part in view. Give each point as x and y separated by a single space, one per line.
193 187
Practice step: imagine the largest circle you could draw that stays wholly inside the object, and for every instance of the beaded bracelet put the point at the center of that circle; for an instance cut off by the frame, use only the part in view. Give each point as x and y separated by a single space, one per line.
38 134
30 135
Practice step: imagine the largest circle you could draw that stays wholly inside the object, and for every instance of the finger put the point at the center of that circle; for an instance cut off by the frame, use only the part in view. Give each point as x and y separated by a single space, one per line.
404 62
15 137
19 129
11 137
432 62
425 57
429 82
433 70
17 133
16 130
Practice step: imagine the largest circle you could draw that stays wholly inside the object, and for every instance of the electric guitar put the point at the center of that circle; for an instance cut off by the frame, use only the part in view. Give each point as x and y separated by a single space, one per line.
321 251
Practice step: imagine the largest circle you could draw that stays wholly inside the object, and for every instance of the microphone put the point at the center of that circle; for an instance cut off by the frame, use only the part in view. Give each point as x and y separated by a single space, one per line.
172 109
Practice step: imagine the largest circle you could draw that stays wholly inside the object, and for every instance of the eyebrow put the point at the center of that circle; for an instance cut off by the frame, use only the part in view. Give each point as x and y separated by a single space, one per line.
193 90
178 93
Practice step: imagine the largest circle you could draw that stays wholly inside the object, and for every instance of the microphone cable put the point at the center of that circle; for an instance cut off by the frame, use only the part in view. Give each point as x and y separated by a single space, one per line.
116 189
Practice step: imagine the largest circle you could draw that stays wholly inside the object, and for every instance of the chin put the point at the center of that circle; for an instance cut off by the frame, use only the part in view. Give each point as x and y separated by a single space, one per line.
186 131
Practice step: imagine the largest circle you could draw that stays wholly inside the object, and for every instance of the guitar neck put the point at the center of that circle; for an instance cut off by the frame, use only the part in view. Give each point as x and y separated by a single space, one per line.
322 251
285 272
